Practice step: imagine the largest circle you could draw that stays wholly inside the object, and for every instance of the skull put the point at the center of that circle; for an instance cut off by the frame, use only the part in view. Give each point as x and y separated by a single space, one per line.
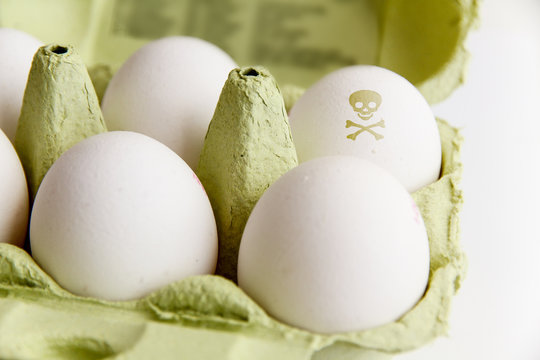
365 103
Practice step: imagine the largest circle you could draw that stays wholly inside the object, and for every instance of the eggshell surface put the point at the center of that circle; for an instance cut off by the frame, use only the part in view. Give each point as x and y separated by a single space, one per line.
336 244
120 215
168 90
17 49
372 113
13 195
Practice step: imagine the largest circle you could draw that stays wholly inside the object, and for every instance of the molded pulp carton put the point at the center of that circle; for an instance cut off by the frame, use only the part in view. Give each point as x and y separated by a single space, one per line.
209 317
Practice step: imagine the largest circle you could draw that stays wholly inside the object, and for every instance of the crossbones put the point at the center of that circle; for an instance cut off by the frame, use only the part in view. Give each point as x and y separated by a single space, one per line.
363 128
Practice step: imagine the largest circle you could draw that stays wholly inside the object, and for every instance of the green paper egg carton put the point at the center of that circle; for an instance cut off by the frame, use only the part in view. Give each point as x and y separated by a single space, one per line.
299 41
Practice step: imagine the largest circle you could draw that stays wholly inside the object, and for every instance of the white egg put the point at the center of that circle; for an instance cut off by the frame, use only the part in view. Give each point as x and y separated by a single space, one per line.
336 244
17 50
372 113
168 90
13 195
119 215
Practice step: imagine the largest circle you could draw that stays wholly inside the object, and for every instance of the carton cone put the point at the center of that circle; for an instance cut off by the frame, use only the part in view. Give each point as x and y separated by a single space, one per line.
247 147
60 108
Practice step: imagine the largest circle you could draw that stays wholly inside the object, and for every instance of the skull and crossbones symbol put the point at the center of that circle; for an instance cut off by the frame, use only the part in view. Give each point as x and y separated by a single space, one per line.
365 103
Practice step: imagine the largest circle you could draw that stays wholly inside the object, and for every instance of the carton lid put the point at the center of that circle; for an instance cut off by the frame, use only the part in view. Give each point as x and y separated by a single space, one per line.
298 41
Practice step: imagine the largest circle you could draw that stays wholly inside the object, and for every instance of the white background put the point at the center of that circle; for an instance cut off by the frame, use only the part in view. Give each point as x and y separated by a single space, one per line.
496 314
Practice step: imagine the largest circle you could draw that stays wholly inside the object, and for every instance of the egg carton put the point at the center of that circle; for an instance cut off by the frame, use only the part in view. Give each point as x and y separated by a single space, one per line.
209 317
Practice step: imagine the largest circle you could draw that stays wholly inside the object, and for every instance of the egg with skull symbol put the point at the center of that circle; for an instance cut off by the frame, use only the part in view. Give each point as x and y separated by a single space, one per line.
375 114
